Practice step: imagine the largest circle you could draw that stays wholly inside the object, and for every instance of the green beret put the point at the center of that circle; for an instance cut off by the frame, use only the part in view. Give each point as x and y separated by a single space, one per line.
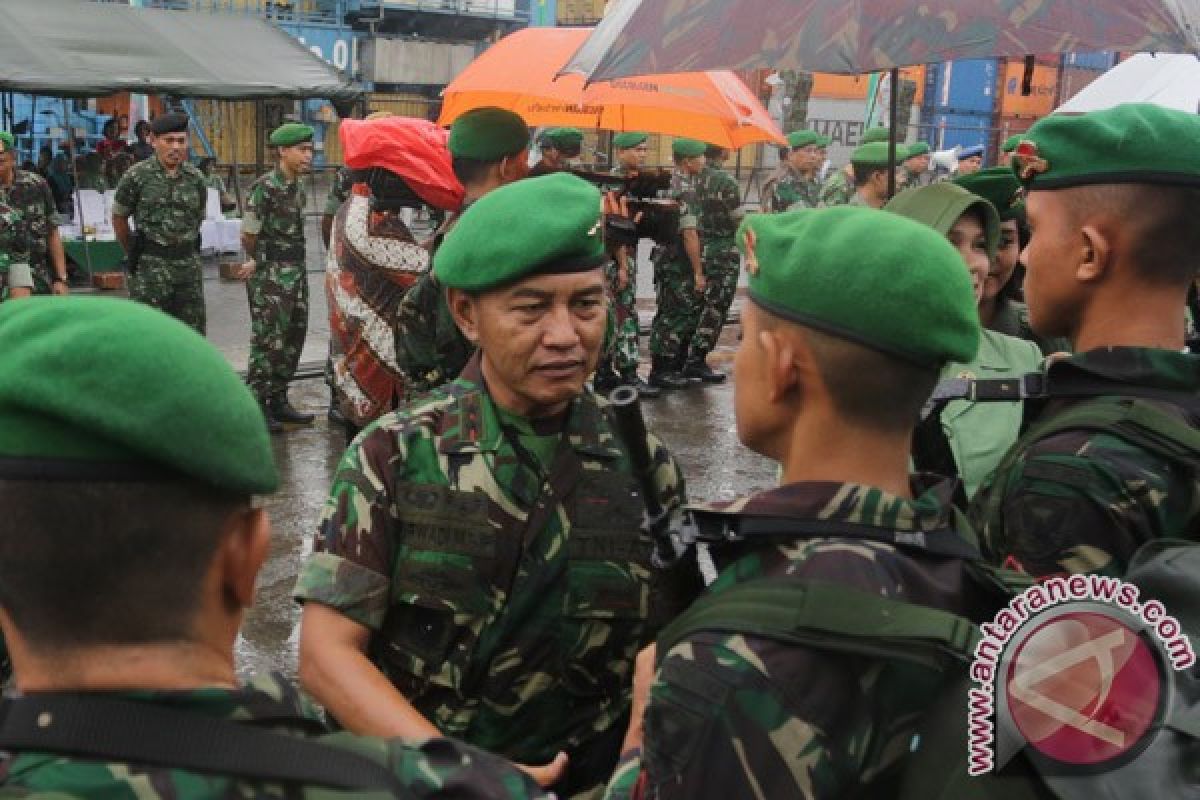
907 294
686 148
824 141
939 206
563 138
999 187
802 138
628 139
874 154
917 149
543 225
90 383
488 134
1011 143
9 141
291 133
877 134
1131 143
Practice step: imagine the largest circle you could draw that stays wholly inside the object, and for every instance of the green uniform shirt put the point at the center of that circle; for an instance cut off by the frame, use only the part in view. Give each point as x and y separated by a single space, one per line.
275 214
733 715
1084 501
519 641
167 209
430 768
979 434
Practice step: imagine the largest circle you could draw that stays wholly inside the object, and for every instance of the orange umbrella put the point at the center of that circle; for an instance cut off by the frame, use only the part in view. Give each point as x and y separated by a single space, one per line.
519 73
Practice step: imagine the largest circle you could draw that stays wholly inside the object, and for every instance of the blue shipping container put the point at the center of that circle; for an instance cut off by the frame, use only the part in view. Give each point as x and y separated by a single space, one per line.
1100 61
965 86
963 130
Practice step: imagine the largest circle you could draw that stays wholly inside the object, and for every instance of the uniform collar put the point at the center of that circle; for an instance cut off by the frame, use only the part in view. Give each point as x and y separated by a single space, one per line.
1131 366
475 426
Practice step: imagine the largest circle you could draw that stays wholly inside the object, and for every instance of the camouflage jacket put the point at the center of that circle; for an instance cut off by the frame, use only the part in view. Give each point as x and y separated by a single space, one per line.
518 641
168 210
1084 501
740 716
14 269
838 190
434 768
31 195
684 191
339 190
275 214
719 201
430 349
793 191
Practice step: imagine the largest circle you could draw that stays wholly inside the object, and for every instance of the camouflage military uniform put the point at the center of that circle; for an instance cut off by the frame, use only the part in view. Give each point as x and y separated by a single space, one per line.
740 716
167 211
624 306
515 634
678 304
339 190
14 269
431 768
794 191
1084 501
838 190
720 212
31 195
278 289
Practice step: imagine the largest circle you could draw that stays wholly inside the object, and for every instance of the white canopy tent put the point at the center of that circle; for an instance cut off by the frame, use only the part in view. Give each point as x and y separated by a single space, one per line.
1172 81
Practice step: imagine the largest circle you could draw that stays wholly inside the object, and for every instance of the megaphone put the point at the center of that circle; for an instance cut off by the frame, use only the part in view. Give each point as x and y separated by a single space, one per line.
945 159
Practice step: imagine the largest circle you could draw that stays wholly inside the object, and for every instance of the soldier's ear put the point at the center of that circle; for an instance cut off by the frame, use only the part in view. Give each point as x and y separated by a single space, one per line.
1096 254
465 312
779 353
245 543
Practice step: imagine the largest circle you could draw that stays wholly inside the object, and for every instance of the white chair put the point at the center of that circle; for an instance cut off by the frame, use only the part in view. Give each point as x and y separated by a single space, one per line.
212 207
230 235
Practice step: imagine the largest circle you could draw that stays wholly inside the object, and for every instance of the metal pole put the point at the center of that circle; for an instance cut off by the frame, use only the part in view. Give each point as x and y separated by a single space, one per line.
893 118
87 253
237 167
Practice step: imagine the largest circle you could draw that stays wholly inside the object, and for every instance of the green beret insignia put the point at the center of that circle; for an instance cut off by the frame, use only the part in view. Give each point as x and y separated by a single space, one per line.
1011 143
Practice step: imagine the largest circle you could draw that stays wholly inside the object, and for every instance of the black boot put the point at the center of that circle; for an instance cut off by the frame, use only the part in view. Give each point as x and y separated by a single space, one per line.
681 364
662 377
700 369
644 389
273 425
282 410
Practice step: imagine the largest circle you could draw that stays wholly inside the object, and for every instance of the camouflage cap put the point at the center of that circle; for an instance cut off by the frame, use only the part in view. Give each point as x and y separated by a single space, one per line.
876 134
941 204
291 133
488 134
1131 143
628 139
687 148
875 154
802 138
545 225
999 187
97 388
907 294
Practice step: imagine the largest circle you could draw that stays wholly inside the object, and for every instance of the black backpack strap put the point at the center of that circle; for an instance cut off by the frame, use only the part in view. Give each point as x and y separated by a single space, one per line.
109 729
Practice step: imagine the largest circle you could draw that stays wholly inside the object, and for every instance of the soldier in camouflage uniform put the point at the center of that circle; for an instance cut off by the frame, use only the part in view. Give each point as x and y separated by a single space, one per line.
796 186
482 545
679 279
738 715
720 201
28 193
870 164
490 148
1084 499
839 188
276 277
166 197
179 559
915 172
16 279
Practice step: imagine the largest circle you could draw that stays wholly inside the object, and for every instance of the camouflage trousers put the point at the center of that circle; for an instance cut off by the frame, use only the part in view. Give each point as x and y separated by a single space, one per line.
174 286
43 277
678 309
624 356
278 294
721 266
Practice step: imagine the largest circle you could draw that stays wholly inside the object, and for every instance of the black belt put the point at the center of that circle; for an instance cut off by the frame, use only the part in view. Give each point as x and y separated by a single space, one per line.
293 253
172 251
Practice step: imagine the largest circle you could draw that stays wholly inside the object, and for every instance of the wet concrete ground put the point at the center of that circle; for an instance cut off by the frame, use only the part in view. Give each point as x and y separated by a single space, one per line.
696 424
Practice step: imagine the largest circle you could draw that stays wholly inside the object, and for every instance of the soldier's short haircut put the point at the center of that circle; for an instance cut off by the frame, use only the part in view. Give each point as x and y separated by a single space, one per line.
863 172
471 170
93 564
1164 240
870 388
715 152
